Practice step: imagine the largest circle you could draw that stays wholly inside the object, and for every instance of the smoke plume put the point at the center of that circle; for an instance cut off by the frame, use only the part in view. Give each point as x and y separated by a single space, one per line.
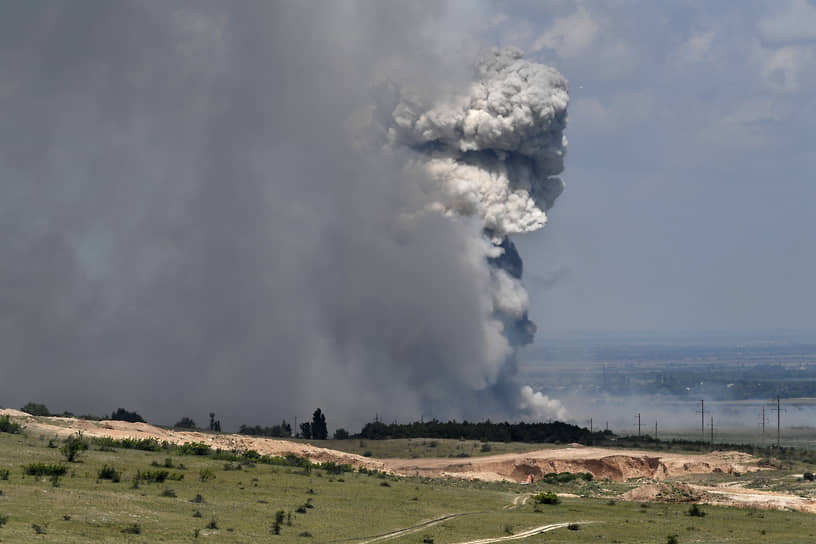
494 154
265 208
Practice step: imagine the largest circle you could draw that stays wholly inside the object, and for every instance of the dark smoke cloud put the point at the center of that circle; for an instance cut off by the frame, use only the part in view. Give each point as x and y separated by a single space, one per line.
198 215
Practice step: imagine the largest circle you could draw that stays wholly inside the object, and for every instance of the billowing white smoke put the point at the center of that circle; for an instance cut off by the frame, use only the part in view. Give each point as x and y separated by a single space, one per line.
494 154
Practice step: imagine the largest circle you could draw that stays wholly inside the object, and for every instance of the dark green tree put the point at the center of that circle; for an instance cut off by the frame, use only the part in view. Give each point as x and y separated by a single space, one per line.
123 415
341 434
35 409
306 430
319 429
185 423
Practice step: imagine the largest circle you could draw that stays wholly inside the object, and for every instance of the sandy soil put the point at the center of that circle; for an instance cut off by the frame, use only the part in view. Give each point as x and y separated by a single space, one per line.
616 465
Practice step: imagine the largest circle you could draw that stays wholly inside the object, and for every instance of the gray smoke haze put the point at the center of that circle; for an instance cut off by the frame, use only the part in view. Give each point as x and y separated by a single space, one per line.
200 213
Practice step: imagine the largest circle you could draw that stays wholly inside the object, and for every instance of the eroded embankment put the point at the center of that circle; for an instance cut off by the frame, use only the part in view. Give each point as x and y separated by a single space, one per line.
615 465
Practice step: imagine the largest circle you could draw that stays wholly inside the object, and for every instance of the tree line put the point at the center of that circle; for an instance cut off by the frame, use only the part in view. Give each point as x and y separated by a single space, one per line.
485 431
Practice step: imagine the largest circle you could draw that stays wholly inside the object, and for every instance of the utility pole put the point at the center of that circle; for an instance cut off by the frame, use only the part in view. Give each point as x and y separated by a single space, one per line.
701 411
779 411
607 425
638 424
655 430
712 431
762 420
590 425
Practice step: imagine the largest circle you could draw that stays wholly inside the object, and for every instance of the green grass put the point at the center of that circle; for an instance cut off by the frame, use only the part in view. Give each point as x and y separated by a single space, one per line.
242 505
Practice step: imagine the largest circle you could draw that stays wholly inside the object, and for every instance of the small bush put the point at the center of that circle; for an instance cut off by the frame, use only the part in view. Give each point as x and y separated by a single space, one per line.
4 473
8 426
808 476
197 514
44 469
485 448
109 473
38 529
573 526
167 492
73 446
205 474
306 534
213 524
3 520
195 448
197 499
385 484
672 539
696 511
548 497
133 529
341 434
157 476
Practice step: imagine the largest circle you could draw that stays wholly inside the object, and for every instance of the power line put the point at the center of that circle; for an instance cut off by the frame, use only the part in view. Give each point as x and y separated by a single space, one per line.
701 411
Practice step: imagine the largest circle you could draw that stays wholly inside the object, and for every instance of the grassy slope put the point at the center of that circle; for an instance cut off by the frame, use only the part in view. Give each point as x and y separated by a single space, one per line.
243 503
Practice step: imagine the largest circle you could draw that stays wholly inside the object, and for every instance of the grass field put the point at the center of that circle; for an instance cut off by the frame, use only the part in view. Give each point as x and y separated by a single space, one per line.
348 507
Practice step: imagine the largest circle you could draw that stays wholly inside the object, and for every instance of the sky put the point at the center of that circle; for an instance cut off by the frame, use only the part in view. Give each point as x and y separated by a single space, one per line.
689 194
205 208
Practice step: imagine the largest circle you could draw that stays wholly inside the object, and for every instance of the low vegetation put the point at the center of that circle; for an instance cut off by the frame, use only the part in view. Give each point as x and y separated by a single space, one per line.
290 499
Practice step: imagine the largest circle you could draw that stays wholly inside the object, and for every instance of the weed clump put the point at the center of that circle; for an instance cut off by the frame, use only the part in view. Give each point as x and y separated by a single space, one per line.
3 519
44 469
696 511
109 473
8 426
276 525
213 524
133 529
4 474
167 492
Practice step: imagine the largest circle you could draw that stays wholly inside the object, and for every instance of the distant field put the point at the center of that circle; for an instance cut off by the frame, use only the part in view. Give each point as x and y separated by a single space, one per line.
348 507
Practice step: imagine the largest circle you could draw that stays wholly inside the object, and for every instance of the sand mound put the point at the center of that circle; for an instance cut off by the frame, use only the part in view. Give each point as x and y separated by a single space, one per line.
663 492
615 465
